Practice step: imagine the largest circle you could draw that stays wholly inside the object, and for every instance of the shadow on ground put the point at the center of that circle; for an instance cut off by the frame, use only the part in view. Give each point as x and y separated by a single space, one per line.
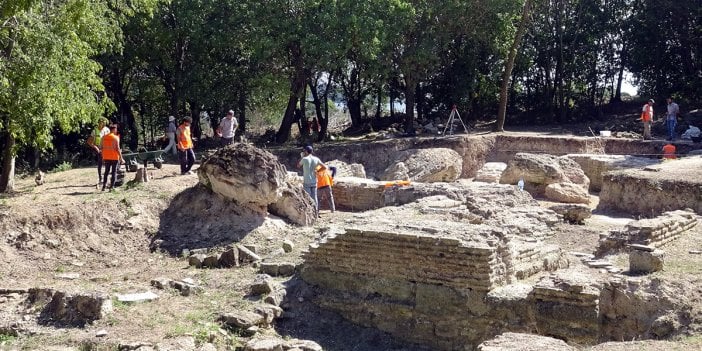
305 320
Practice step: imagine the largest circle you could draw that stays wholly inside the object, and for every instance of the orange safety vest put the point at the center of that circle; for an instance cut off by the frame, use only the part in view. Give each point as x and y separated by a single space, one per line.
184 140
669 151
647 113
324 178
110 147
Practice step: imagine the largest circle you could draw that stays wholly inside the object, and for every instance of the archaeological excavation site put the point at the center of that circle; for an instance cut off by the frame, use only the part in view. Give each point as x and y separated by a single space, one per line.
510 241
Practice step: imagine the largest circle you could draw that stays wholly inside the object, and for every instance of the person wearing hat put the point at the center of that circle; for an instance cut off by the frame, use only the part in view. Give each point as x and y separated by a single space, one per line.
170 132
227 128
310 164
647 118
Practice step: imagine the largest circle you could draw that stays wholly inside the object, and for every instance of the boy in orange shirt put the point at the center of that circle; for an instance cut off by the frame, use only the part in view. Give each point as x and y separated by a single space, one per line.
325 180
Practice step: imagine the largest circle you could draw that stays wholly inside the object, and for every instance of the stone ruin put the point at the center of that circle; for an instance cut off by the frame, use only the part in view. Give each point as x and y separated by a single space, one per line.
429 279
452 265
653 232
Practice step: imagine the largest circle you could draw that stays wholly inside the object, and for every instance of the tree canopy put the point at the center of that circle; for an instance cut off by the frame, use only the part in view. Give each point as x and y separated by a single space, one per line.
65 63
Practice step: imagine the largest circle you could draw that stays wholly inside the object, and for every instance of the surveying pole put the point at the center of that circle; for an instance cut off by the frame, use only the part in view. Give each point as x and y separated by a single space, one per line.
452 119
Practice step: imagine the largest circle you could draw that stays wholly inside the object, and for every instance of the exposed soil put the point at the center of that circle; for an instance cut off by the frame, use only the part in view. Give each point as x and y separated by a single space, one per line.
67 226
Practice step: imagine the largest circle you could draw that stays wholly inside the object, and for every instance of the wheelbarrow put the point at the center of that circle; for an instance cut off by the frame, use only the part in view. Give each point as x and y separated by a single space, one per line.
132 160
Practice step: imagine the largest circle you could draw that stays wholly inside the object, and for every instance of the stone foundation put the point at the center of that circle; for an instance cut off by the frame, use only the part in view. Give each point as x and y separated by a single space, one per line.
654 232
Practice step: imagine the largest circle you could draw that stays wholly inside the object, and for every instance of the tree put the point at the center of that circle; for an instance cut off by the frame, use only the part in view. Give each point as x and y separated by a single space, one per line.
48 76
509 65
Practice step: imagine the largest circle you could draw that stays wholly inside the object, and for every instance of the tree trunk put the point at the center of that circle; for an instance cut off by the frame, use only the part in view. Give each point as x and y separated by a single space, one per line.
509 65
195 115
7 177
297 87
410 87
378 108
241 106
354 105
620 78
125 108
317 106
324 122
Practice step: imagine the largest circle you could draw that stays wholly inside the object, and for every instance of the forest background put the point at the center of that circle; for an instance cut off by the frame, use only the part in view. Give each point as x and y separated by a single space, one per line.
66 63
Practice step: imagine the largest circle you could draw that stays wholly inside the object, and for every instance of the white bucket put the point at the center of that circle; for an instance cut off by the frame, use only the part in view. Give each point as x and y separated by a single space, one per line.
605 133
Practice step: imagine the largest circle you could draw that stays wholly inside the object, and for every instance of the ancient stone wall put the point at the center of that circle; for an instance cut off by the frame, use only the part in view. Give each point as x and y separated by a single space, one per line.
475 150
648 194
654 232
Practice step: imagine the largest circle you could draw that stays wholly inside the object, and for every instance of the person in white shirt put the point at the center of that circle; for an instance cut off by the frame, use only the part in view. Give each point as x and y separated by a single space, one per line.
647 118
671 118
170 132
95 143
227 128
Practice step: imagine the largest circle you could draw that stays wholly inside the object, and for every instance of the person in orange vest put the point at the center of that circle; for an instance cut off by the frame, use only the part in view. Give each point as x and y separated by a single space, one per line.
111 156
95 143
669 152
325 180
185 147
647 118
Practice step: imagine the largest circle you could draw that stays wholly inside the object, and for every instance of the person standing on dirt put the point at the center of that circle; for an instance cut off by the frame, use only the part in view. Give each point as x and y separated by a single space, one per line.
325 180
111 156
647 118
170 133
227 128
95 143
309 164
185 147
671 117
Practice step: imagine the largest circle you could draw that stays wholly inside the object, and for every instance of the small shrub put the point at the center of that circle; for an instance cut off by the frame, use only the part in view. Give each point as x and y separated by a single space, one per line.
62 167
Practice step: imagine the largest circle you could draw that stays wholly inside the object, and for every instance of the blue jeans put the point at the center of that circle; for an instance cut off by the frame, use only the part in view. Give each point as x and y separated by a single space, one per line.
312 190
670 123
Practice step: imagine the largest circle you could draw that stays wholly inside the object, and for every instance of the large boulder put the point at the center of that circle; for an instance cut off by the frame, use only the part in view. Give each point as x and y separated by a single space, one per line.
540 170
425 165
567 192
255 180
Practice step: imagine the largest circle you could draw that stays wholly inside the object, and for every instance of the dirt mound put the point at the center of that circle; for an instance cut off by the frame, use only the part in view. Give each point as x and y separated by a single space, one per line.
198 218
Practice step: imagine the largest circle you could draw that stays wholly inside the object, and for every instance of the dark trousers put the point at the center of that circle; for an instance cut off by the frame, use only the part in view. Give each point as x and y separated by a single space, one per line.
99 164
110 168
187 159
226 141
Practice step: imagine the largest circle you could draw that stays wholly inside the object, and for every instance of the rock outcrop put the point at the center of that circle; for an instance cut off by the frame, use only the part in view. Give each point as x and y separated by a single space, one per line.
425 165
567 192
255 180
541 170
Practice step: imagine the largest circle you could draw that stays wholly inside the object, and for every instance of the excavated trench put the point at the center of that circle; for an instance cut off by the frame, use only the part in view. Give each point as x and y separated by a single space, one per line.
451 288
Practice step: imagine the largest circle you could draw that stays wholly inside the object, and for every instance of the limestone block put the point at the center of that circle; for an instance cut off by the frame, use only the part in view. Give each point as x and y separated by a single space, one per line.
645 262
241 319
567 192
573 213
263 284
344 169
229 258
425 165
524 342
491 172
267 344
